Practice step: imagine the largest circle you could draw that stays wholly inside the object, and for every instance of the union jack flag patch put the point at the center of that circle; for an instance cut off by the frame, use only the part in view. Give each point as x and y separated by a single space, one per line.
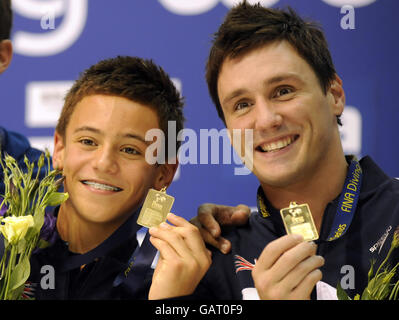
29 290
242 264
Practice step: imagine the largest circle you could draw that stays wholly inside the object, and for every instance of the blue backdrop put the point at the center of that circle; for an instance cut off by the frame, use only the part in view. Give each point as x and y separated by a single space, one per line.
54 40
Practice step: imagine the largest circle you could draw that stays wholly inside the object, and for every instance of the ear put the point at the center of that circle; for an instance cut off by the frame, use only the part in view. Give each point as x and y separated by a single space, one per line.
336 91
166 172
58 154
5 54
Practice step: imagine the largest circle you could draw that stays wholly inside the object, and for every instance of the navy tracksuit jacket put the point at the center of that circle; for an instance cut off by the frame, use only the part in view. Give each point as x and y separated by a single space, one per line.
369 237
94 281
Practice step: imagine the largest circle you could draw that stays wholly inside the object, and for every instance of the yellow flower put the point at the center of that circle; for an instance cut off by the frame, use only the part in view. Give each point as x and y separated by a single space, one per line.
15 228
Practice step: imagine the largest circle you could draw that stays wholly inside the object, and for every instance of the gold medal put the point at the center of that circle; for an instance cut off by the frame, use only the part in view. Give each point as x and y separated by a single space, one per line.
156 207
298 219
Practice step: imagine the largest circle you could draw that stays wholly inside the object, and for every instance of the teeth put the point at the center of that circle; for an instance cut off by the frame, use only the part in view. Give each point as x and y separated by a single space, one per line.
277 145
101 186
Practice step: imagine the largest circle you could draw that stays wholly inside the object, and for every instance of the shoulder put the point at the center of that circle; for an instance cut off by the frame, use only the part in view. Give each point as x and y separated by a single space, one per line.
258 229
378 208
376 181
16 145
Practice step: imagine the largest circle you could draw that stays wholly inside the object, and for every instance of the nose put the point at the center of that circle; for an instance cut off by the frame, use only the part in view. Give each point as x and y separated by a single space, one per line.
267 116
104 160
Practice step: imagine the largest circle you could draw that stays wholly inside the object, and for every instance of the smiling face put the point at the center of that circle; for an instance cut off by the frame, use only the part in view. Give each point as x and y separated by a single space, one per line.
103 159
274 91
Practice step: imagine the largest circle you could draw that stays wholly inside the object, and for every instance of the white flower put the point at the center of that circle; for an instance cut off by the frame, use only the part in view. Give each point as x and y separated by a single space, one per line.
15 228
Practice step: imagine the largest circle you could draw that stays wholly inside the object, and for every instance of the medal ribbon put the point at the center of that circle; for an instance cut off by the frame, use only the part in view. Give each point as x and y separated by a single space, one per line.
142 256
139 262
347 202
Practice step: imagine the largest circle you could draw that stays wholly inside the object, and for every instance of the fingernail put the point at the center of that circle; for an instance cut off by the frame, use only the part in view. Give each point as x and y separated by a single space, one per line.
214 232
164 225
224 247
153 229
298 237
170 215
313 243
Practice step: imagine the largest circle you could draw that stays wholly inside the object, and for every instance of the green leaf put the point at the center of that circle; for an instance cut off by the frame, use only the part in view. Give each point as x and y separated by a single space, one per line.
41 244
376 288
38 219
371 271
17 293
56 198
20 274
30 233
366 295
21 245
341 294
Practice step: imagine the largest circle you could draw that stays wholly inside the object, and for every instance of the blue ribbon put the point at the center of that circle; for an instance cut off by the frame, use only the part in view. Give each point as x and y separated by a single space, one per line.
347 202
138 265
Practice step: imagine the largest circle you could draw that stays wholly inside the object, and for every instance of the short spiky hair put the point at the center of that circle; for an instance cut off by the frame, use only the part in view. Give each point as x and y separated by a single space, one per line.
5 19
133 78
248 27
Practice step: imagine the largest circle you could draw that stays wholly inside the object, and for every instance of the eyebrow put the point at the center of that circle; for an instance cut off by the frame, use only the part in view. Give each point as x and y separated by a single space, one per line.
268 82
234 94
98 131
283 77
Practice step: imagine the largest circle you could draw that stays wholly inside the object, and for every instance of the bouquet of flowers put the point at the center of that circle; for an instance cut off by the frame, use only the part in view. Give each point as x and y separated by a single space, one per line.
22 217
380 285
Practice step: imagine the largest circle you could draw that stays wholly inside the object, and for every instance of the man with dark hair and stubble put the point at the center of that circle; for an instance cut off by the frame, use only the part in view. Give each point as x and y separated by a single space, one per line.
271 71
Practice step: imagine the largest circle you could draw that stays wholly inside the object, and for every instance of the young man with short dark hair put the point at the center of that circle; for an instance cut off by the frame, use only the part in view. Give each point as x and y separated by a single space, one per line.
271 71
100 146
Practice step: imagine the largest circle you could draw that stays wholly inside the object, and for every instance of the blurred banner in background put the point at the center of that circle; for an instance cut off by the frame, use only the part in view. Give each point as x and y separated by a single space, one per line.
54 40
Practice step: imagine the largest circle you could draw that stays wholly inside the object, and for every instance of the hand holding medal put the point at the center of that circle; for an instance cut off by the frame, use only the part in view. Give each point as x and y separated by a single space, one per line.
183 259
288 268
